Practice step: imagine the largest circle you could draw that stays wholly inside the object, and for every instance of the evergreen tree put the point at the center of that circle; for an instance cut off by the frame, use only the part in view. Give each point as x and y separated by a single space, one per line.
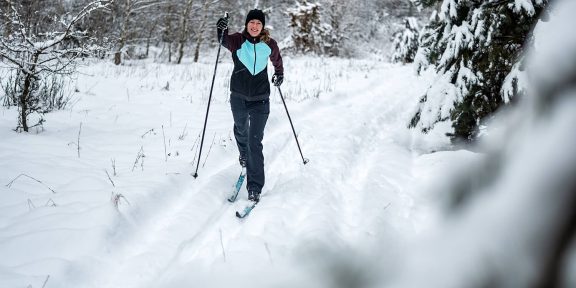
405 42
334 36
307 31
473 46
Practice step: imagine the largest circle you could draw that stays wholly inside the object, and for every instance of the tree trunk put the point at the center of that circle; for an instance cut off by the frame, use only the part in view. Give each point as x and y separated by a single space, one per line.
201 33
25 97
124 34
149 38
197 52
24 102
180 52
118 58
184 30
169 52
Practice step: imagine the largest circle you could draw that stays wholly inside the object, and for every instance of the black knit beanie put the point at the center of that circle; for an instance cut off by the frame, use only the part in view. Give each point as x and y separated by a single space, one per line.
256 14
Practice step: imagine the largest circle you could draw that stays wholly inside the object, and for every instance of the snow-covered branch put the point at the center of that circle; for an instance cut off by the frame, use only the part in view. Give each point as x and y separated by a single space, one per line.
34 56
91 7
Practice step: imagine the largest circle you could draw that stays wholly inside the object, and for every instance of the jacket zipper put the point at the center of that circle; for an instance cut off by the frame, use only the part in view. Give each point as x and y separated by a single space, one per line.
252 78
254 57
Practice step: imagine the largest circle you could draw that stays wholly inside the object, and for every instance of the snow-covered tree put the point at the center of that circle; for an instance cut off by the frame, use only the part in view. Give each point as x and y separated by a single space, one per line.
405 42
475 48
310 34
306 28
174 25
429 43
193 18
529 166
203 21
335 31
39 46
128 16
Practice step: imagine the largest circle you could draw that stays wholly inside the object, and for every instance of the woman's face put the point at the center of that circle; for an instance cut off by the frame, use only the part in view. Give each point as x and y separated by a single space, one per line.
254 27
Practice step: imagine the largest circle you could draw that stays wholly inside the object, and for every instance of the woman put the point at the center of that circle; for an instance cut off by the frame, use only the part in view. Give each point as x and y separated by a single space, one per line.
250 91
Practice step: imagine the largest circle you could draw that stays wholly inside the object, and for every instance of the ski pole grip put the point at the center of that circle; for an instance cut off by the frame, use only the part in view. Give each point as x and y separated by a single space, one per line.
226 15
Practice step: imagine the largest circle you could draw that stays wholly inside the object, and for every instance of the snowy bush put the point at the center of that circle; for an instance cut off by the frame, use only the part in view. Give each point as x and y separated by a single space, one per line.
50 92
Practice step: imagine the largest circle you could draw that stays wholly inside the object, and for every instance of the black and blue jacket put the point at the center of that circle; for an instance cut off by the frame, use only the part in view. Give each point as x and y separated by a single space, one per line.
249 79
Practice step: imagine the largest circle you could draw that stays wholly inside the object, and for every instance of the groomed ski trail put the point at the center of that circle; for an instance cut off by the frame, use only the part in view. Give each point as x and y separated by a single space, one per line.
323 204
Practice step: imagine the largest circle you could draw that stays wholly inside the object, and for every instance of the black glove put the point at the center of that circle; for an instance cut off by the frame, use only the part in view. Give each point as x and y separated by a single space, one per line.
277 79
222 24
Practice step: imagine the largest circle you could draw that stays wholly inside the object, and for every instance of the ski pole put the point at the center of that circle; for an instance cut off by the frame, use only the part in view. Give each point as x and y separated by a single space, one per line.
210 98
304 160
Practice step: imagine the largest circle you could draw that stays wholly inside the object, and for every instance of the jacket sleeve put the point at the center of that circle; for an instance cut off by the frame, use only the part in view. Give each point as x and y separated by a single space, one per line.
275 57
232 41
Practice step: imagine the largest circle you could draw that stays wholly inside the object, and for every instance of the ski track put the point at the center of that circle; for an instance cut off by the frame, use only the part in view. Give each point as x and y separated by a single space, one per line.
324 201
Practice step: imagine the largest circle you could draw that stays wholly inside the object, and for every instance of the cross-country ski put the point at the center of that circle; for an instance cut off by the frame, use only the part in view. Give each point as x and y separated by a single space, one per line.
246 210
238 186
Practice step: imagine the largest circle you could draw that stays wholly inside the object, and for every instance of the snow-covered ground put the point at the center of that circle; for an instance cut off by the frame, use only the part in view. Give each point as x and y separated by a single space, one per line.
124 210
103 197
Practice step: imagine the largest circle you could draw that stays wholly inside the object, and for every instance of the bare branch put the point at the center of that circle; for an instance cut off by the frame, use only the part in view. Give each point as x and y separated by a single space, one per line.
109 178
92 6
9 185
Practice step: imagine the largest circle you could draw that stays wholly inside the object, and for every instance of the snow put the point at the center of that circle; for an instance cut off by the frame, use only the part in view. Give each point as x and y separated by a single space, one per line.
515 82
439 106
169 228
103 196
553 62
523 188
448 9
525 5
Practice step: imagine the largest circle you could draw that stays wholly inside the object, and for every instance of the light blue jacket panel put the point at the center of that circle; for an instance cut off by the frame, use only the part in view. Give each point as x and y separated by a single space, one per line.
254 56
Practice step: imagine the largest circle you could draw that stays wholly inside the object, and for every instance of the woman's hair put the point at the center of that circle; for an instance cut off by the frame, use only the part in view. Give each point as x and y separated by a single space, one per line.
265 35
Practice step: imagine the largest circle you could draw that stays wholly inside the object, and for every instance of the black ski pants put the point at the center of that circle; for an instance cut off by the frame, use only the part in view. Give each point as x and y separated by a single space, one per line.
249 122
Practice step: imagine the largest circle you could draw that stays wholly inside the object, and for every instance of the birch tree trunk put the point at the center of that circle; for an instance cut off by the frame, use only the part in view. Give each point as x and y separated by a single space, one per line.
184 30
200 33
124 33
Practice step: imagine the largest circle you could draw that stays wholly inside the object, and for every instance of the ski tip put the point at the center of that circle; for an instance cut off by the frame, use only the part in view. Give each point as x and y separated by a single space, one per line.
246 211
